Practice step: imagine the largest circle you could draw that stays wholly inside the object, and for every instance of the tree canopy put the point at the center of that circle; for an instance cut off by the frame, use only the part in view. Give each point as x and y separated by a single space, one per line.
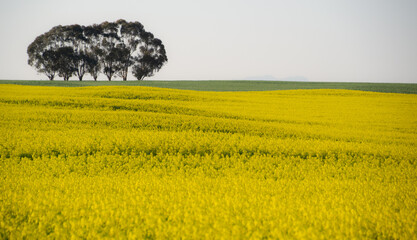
111 48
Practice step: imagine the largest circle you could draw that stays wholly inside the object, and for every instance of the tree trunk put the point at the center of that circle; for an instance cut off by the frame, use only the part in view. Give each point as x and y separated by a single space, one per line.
81 71
50 76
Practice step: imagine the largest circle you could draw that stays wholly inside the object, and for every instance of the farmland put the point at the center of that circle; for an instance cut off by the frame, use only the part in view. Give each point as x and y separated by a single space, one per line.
133 162
232 85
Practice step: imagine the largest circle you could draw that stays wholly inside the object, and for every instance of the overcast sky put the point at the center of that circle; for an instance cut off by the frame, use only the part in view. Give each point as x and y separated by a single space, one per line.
321 40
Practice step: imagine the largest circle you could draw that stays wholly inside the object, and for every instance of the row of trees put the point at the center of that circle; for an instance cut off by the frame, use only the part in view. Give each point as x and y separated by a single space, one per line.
111 48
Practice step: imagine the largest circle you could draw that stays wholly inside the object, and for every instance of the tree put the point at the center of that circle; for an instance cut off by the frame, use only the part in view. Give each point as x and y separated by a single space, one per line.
48 61
123 61
66 62
151 58
109 40
94 53
42 56
79 44
93 62
131 36
110 47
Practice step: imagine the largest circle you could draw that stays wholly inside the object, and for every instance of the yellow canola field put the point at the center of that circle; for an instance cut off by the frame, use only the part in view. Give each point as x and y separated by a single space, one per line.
151 163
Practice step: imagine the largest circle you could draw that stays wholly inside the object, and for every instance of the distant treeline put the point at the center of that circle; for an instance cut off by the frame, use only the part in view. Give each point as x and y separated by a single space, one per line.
111 48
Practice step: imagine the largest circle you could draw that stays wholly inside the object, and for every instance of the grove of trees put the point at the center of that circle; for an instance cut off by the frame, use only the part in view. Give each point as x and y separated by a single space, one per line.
110 48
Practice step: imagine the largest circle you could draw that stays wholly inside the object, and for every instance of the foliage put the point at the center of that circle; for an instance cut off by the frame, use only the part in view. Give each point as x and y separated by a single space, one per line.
136 162
111 47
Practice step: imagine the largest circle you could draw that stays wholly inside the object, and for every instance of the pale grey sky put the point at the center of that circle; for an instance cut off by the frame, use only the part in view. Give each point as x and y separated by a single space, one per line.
322 40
